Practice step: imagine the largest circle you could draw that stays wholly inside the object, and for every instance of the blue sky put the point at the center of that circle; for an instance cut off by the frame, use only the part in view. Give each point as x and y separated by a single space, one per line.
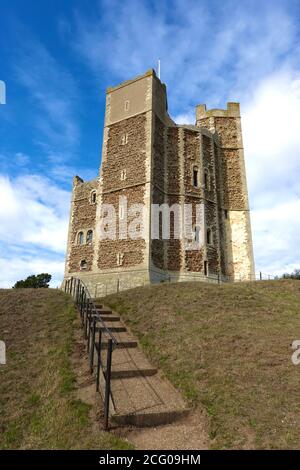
57 59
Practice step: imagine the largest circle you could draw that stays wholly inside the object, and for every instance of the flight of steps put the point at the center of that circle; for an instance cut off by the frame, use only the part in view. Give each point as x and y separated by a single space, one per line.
140 396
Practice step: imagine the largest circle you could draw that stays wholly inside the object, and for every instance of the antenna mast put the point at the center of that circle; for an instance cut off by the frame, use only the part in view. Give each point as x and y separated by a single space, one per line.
158 70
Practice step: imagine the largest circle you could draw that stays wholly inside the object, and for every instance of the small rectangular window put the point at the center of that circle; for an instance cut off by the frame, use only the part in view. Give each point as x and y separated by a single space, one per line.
124 138
197 234
126 105
120 258
195 177
93 197
208 236
123 175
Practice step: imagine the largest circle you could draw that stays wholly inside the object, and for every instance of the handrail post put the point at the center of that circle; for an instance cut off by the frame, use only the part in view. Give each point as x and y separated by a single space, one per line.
85 319
83 307
71 286
77 292
74 289
81 301
107 383
88 314
89 333
99 360
92 347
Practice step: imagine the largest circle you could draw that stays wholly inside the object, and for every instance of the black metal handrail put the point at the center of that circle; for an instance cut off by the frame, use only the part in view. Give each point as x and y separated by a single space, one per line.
89 320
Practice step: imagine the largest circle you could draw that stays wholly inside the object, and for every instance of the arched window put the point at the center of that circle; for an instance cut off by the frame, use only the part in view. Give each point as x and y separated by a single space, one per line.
80 238
83 264
195 176
89 237
93 197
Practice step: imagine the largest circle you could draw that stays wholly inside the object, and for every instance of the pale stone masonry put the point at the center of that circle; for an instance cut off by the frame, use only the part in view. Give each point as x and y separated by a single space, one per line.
152 160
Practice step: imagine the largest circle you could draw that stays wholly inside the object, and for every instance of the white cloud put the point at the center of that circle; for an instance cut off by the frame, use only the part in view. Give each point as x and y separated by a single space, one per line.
276 237
14 268
185 118
33 228
209 51
272 146
272 139
34 212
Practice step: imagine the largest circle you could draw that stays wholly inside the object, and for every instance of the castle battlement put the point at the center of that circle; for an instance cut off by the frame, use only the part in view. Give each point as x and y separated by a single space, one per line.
233 110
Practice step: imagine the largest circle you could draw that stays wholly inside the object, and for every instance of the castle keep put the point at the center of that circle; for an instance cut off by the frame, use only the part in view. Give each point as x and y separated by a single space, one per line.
149 159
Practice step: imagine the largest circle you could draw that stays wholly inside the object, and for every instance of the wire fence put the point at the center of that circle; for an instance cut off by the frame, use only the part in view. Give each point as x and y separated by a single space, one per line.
124 282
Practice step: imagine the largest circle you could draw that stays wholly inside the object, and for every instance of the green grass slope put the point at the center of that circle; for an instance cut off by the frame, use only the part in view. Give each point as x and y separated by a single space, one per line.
228 349
38 404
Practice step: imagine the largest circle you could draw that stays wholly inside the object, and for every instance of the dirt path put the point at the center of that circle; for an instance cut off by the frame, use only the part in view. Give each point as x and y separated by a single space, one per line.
185 434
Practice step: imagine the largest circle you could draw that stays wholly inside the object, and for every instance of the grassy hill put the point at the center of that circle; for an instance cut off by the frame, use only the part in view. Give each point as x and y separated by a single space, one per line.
228 349
38 403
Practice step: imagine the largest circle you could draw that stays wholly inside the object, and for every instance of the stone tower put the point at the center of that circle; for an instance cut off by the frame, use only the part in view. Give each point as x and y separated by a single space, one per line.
151 161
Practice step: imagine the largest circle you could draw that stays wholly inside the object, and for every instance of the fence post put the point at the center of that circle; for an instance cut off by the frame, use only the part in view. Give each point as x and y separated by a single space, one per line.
99 360
77 292
85 319
81 302
107 383
74 288
88 321
83 307
92 346
89 333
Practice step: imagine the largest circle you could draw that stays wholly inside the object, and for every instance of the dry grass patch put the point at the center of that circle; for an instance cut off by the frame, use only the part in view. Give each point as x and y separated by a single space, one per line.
38 404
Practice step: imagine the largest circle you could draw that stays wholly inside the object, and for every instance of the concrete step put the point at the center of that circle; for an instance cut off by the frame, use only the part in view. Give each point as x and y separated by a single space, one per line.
126 344
146 401
113 329
124 340
97 305
104 311
129 363
140 396
108 318
126 374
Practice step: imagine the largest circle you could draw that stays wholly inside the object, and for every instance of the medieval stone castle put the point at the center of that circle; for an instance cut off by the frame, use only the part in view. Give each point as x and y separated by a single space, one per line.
149 159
